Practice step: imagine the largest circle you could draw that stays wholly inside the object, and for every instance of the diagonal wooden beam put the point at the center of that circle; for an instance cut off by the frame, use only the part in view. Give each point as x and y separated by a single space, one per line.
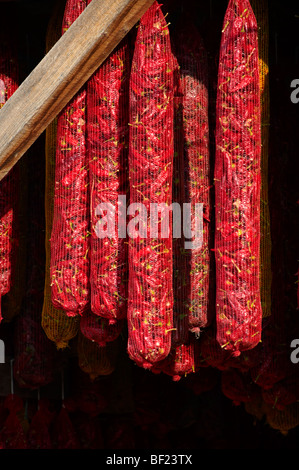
62 72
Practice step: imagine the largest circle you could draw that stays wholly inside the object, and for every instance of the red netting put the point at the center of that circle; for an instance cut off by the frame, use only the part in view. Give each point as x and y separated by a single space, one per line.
38 436
59 327
181 361
237 182
9 75
203 381
283 420
238 387
98 329
150 298
97 360
214 355
63 433
271 356
13 432
284 392
69 266
107 146
33 351
195 167
180 334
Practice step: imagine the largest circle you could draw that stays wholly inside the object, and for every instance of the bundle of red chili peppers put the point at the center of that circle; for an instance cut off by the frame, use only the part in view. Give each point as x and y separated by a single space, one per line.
150 299
192 60
69 266
237 182
9 76
139 130
107 128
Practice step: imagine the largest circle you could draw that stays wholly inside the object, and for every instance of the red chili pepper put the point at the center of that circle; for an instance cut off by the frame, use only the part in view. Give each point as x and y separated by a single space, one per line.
107 118
150 173
69 265
9 76
237 182
192 173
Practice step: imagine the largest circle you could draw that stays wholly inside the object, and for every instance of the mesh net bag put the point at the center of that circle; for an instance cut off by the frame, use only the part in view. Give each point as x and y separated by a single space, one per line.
69 261
150 292
238 387
94 360
107 146
284 392
9 185
256 407
63 432
195 169
13 432
98 329
38 436
33 351
181 361
283 420
58 327
180 333
12 301
237 182
260 9
214 355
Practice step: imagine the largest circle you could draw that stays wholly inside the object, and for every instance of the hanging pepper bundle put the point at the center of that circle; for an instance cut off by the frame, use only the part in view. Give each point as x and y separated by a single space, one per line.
34 352
180 334
150 298
283 420
58 327
98 329
69 264
64 435
192 59
181 361
238 386
13 432
107 127
215 356
94 360
9 76
237 182
38 436
285 391
260 9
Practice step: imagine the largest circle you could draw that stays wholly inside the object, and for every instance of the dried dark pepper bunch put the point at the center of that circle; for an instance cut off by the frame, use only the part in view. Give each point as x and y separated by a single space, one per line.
98 329
107 146
69 266
150 292
9 75
192 60
182 360
237 182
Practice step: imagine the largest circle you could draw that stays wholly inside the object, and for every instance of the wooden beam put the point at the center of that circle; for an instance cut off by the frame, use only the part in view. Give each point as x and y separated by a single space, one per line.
62 72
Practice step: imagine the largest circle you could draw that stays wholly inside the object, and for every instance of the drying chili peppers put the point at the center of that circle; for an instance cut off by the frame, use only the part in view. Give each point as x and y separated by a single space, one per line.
107 127
99 329
9 185
181 285
237 182
182 360
150 292
192 59
69 265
